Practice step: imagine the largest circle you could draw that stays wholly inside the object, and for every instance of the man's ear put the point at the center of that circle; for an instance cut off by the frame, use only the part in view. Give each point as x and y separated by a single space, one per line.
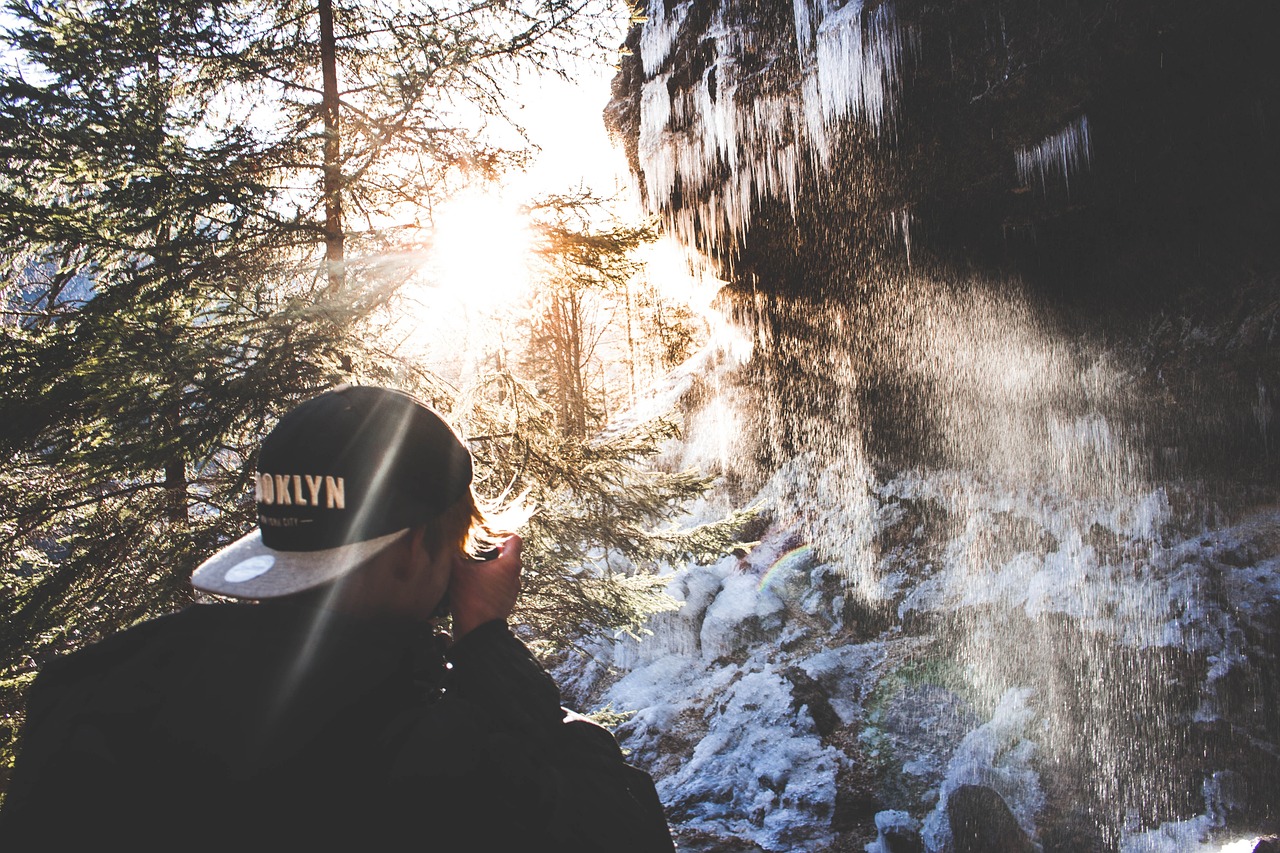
412 557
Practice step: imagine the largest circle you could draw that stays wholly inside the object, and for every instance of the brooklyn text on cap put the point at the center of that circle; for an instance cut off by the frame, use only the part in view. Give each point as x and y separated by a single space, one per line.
339 478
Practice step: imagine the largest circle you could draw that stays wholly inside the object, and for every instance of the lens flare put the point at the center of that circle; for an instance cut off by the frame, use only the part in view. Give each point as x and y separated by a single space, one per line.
795 559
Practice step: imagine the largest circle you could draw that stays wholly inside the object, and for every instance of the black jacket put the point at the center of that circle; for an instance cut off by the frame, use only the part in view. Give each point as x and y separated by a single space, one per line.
251 726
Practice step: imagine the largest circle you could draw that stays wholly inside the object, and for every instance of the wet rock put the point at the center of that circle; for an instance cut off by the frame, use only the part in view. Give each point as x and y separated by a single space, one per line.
808 692
1246 791
910 730
864 619
903 841
982 823
898 832
1270 844
1075 832
1004 535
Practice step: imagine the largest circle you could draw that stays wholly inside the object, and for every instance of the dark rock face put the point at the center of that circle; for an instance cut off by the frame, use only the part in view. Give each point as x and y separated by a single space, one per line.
903 841
1102 158
1087 143
1092 159
1177 97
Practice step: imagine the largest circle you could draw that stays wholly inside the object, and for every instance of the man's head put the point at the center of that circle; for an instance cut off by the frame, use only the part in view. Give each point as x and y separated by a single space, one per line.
343 479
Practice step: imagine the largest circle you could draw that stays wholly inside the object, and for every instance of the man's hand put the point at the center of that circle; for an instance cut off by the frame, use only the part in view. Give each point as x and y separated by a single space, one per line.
482 591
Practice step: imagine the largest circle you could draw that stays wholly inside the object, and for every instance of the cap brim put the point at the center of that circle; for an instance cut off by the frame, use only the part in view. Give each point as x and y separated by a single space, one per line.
249 569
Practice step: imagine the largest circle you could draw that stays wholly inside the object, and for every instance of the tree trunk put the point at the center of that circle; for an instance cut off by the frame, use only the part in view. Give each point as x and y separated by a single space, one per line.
333 231
631 344
578 395
163 251
175 486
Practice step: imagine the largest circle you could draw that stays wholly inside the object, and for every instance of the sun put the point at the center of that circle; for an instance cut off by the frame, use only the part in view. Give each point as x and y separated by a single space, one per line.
479 250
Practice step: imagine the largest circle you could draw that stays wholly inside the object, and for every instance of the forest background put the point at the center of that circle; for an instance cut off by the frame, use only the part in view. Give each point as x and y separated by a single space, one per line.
211 210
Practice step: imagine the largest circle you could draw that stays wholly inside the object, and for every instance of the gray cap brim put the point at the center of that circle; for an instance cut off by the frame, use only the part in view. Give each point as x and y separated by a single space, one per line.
248 569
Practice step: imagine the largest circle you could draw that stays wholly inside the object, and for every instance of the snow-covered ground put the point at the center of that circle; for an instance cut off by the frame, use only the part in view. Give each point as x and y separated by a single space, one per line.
789 700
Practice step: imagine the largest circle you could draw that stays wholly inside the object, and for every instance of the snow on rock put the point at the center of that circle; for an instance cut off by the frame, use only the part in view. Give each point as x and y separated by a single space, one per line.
996 755
1199 834
847 673
760 771
778 688
732 752
890 823
741 614
732 743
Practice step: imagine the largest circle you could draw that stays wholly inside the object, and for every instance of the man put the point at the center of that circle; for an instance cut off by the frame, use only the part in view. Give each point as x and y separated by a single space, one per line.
320 710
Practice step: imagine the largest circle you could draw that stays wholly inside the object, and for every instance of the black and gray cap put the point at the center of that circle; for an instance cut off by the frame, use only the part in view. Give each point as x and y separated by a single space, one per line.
339 478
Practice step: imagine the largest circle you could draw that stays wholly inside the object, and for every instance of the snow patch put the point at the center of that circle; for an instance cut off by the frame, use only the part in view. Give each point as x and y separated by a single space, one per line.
996 755
724 628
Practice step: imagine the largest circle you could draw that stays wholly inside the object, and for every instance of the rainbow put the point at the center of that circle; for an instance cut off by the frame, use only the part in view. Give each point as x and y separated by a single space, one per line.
793 559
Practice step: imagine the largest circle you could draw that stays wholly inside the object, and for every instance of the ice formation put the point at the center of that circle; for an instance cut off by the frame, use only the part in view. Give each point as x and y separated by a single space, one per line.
1057 157
728 140
660 31
730 722
1070 585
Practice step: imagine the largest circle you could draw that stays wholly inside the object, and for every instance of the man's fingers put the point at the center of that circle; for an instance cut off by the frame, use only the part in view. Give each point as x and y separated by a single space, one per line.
485 590
510 552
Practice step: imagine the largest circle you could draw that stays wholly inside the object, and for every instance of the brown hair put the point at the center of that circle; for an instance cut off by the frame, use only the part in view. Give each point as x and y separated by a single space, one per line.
466 526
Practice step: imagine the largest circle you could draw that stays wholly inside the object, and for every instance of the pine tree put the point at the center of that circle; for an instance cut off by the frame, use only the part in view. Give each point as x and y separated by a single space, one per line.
604 520
606 508
198 209
596 318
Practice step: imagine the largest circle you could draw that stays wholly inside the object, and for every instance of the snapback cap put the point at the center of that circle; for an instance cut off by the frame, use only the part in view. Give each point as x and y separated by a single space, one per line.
339 479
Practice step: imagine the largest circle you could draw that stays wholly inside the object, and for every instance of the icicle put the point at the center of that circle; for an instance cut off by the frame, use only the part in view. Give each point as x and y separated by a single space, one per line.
804 30
1061 154
727 153
659 34
855 69
655 157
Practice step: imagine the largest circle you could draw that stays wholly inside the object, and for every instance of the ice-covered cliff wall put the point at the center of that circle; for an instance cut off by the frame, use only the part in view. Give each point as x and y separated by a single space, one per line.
1125 139
1009 278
